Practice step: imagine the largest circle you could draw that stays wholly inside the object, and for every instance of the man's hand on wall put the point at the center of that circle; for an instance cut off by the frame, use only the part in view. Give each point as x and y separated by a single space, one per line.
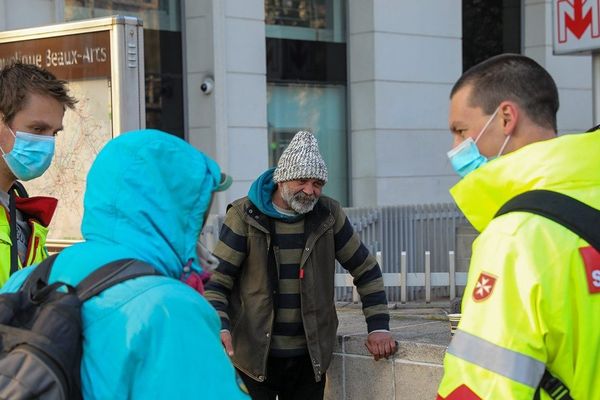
381 344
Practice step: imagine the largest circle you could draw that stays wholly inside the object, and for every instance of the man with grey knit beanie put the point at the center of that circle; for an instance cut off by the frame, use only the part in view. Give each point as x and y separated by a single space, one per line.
301 161
274 285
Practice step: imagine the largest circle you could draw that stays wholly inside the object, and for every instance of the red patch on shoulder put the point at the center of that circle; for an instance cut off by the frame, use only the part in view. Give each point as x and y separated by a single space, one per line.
463 392
484 286
591 260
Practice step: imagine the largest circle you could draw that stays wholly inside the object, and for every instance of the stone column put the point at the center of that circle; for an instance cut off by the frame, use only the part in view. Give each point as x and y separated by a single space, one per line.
225 40
403 59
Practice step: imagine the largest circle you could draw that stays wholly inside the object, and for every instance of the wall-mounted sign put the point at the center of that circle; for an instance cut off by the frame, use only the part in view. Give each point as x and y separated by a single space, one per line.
102 62
80 56
576 26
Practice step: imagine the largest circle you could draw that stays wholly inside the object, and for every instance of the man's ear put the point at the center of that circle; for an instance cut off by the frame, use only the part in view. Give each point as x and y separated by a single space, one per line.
510 115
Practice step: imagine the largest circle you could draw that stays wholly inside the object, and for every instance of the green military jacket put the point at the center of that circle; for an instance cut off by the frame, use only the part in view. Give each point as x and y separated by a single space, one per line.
242 287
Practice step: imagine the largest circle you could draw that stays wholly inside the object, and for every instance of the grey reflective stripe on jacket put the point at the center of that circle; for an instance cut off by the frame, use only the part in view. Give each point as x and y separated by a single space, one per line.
505 362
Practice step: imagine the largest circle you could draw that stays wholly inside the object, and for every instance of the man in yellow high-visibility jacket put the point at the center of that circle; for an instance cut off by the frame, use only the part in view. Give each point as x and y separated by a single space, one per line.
532 298
32 106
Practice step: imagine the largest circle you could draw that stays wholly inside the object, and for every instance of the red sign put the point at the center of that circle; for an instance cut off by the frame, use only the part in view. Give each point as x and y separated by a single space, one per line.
591 260
484 286
580 20
577 25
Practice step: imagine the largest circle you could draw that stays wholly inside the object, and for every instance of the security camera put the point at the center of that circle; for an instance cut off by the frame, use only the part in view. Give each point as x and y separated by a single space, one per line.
207 86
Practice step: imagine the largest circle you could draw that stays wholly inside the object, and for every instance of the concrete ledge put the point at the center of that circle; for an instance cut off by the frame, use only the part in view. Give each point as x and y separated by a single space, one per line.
413 372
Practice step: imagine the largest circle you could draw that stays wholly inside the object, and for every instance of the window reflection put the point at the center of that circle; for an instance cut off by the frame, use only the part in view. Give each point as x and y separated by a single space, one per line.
306 81
162 53
304 13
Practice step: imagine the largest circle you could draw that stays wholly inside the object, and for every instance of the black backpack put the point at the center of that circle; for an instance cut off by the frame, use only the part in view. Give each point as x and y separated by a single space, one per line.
41 330
572 214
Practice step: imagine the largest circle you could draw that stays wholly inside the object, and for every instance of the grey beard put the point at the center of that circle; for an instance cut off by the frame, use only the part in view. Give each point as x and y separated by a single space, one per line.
300 202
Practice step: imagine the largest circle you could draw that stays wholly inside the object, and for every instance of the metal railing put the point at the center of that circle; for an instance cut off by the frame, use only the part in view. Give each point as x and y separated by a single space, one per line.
414 244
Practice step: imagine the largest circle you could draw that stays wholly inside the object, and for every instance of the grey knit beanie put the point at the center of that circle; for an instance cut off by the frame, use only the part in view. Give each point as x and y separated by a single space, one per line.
301 160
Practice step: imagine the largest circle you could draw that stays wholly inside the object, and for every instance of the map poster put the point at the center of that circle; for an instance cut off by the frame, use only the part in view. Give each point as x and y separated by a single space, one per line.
86 130
84 61
102 62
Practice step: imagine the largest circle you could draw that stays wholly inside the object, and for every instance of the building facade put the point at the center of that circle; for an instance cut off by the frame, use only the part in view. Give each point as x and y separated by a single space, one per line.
371 78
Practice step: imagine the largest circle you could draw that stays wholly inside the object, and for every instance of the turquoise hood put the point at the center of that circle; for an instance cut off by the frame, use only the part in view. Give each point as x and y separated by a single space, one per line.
152 187
150 337
146 196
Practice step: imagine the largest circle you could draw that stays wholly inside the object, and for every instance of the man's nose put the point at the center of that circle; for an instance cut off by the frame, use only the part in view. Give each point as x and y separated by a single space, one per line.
308 190
457 140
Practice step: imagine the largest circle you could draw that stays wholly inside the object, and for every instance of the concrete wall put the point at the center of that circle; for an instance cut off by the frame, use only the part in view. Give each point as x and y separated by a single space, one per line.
413 373
225 39
404 57
572 73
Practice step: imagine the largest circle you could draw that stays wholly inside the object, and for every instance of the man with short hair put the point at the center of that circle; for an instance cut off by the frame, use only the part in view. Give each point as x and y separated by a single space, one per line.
274 286
32 106
530 300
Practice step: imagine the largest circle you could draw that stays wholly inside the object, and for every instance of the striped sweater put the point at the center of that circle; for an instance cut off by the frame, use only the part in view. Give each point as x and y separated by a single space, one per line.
288 331
235 249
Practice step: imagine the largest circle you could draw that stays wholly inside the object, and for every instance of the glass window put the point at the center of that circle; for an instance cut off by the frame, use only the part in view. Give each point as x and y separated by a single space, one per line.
322 20
306 81
163 60
316 108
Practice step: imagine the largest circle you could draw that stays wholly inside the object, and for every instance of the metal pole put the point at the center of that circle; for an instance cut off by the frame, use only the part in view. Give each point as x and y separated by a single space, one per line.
596 86
427 277
451 275
403 279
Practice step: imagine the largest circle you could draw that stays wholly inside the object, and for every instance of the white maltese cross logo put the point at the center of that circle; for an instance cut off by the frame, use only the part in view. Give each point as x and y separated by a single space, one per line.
484 286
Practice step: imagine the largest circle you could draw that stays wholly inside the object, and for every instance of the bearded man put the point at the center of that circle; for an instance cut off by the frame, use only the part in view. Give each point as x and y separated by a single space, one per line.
274 286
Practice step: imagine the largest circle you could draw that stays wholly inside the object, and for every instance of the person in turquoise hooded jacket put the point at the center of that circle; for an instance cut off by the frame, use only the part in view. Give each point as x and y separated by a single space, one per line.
151 337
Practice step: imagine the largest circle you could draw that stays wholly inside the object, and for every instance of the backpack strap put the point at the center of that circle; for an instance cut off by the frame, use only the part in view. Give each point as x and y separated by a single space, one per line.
574 215
17 189
111 274
554 387
14 247
39 276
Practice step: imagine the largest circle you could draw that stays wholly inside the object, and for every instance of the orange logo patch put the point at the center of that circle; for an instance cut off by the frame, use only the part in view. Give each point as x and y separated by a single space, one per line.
484 286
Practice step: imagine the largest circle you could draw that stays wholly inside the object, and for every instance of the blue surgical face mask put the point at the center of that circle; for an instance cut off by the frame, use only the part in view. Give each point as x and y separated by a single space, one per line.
466 158
30 156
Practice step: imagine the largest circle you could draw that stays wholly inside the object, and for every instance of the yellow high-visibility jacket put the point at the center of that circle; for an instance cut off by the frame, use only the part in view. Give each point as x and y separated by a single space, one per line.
39 212
532 299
